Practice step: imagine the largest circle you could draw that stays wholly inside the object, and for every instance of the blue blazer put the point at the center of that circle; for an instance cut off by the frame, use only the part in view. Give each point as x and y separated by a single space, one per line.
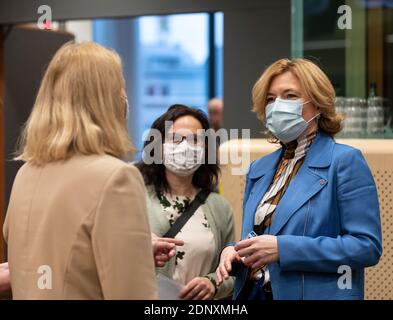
327 218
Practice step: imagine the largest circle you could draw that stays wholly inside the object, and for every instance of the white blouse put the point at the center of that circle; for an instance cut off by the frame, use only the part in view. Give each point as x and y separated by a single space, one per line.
196 256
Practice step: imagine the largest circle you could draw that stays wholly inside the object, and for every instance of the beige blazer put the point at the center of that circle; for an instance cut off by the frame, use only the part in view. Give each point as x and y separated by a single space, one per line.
79 229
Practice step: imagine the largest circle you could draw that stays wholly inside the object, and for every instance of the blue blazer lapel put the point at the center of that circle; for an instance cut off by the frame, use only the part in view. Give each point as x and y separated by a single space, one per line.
305 185
257 192
260 175
307 182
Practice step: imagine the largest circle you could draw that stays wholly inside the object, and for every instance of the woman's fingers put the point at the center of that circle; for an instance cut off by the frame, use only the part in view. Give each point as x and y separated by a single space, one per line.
250 260
238 258
172 253
176 242
229 255
244 244
160 264
193 292
207 296
218 276
163 251
197 289
187 288
201 294
259 264
246 251
223 271
228 265
163 246
162 257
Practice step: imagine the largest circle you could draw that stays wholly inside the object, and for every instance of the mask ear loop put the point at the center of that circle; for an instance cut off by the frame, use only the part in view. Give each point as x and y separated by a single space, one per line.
318 115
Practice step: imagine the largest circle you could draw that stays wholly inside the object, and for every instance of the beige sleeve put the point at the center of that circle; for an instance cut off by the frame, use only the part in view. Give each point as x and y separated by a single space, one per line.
121 239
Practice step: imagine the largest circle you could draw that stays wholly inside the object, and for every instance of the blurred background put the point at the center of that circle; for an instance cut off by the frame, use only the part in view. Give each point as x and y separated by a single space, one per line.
192 51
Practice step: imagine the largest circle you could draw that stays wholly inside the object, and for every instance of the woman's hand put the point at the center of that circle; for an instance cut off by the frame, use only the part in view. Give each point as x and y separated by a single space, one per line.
199 288
5 281
228 256
164 249
258 251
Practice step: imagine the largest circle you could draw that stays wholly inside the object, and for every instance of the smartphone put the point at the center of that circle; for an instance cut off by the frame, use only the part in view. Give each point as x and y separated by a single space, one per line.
252 234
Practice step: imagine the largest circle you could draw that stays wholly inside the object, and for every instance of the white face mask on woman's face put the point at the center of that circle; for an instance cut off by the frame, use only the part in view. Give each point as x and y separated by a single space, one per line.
182 159
284 119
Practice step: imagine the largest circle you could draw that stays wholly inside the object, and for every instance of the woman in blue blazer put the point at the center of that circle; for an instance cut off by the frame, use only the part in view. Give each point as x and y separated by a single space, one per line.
311 219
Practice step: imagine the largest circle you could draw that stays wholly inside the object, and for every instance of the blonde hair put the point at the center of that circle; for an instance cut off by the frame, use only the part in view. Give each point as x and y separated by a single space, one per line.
313 81
79 108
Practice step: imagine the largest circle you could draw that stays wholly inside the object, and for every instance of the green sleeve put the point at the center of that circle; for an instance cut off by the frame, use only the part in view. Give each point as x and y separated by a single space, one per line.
228 235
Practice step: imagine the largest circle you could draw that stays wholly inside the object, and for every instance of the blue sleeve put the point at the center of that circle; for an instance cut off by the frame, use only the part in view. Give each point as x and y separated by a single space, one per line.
359 245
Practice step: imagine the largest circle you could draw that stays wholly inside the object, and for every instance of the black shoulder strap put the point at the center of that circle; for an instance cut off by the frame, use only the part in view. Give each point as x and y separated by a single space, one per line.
200 199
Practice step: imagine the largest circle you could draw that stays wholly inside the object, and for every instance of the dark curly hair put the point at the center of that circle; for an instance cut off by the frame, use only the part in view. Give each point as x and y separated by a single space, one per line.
206 177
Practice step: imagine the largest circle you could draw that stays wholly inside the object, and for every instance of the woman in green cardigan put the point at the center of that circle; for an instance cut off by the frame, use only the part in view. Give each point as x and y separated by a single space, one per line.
172 182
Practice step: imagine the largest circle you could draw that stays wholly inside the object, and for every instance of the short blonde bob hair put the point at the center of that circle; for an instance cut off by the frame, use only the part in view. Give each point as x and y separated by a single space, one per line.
313 81
79 109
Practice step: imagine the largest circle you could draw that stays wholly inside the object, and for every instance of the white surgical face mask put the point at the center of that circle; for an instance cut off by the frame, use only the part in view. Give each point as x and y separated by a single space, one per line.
182 159
284 119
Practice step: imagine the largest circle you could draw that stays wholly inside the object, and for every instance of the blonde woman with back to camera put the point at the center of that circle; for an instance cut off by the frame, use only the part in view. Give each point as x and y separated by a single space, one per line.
77 211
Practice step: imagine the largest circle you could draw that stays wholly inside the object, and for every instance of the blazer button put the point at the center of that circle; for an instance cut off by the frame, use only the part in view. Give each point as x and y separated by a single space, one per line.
322 182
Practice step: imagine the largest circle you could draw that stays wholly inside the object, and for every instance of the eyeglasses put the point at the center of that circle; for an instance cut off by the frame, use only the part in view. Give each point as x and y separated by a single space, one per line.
177 138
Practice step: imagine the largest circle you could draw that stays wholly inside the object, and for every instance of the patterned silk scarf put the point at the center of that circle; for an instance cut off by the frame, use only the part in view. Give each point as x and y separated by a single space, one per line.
287 168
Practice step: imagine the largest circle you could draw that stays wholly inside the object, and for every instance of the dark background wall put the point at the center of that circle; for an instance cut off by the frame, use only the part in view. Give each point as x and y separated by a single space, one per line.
253 39
27 53
12 11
